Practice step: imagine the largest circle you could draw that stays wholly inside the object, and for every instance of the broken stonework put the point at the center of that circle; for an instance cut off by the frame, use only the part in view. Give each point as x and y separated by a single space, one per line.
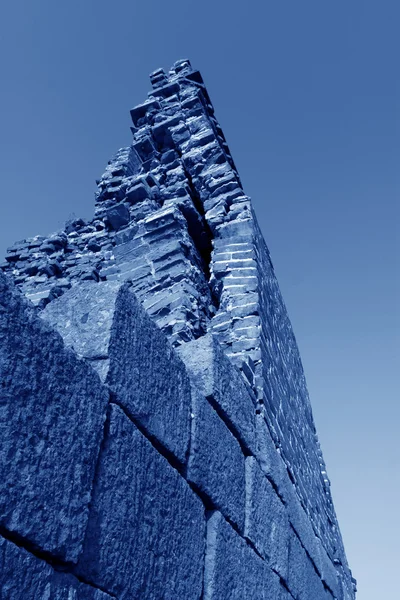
170 295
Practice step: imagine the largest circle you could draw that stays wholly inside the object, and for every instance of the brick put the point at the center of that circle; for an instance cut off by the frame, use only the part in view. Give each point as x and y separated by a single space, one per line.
145 536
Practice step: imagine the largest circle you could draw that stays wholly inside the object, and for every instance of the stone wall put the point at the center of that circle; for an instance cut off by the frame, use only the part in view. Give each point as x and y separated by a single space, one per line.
161 481
227 426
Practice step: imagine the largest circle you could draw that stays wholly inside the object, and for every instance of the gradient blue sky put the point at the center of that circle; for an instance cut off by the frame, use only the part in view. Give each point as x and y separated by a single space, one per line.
308 96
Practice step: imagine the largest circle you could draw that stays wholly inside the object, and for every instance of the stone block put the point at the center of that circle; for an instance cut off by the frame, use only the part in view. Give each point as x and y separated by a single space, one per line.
267 525
106 324
84 317
52 410
169 157
166 91
138 193
24 576
269 458
223 385
145 536
302 526
216 463
148 378
138 112
303 580
233 571
327 569
118 216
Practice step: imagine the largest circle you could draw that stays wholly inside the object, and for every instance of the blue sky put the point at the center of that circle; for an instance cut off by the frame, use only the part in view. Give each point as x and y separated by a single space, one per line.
308 96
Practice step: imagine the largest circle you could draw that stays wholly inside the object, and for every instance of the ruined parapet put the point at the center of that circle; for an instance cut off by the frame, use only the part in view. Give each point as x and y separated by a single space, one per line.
172 220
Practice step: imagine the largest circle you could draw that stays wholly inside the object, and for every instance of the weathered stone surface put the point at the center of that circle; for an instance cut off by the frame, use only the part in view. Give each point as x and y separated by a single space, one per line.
326 569
303 580
51 419
84 316
216 464
233 571
118 216
145 537
171 216
152 385
303 528
106 325
25 577
268 458
267 525
223 385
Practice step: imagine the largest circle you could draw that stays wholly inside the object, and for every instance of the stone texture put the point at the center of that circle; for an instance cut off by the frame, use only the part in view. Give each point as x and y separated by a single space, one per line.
51 422
233 571
171 217
222 384
25 577
267 525
145 537
303 581
83 316
106 325
118 216
269 459
152 385
216 462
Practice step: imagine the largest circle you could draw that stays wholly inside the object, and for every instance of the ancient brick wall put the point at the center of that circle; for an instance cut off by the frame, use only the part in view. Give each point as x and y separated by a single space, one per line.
168 452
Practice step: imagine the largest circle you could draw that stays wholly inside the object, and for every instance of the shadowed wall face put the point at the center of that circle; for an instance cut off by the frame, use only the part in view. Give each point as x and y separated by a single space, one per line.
171 218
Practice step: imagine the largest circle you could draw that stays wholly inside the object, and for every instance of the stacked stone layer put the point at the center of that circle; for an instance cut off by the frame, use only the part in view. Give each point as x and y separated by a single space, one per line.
172 219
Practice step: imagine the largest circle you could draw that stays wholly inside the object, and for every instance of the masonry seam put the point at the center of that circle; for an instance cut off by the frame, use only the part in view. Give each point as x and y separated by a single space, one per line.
56 564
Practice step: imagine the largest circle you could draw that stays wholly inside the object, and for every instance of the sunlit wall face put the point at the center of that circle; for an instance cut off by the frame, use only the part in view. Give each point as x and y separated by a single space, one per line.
308 97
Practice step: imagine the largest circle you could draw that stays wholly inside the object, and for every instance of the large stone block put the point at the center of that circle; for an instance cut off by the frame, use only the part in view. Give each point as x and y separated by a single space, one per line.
26 577
267 524
302 525
106 324
303 582
84 317
269 458
233 571
327 569
223 385
118 216
52 410
145 537
216 464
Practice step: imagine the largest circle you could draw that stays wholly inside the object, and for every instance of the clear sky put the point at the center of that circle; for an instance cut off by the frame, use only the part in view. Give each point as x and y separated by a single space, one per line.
308 96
